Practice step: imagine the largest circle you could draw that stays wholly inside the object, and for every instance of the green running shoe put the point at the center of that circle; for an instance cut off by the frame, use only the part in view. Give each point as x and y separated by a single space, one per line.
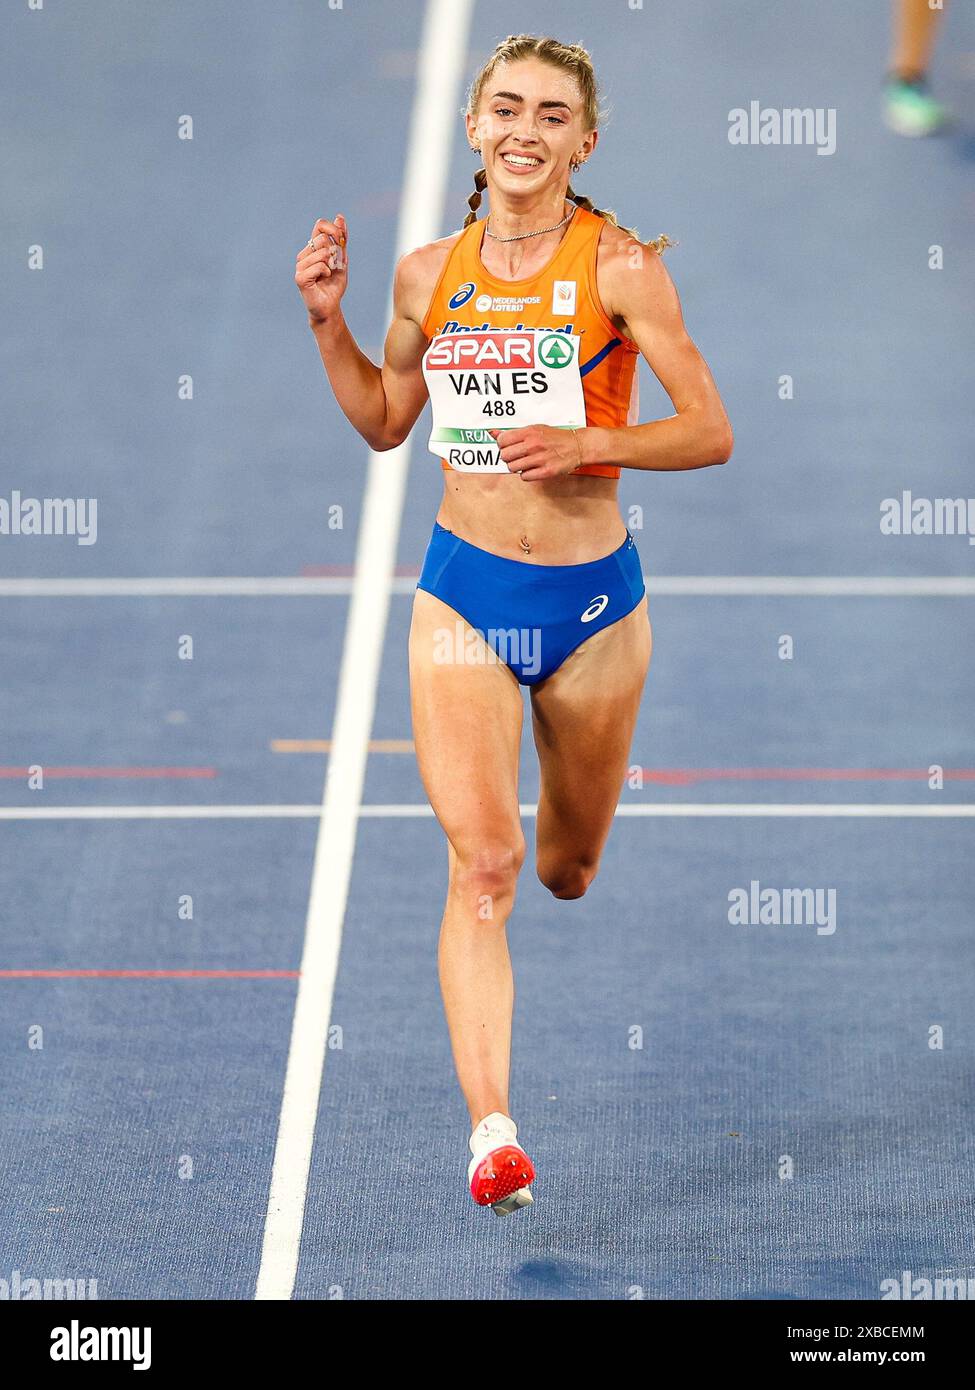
909 108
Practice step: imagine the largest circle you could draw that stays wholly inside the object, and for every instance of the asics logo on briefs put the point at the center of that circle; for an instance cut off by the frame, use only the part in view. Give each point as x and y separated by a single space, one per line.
596 607
461 295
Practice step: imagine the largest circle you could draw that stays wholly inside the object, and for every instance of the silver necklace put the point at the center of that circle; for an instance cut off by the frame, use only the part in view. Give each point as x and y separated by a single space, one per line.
522 235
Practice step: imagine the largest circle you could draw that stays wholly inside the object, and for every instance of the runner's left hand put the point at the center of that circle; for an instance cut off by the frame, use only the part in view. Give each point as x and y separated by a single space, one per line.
538 452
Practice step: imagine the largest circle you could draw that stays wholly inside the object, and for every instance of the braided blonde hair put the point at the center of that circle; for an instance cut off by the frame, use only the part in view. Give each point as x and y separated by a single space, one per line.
571 58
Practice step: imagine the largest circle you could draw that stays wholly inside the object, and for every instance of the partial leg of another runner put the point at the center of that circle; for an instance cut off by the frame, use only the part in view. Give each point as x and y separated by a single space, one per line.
909 108
467 721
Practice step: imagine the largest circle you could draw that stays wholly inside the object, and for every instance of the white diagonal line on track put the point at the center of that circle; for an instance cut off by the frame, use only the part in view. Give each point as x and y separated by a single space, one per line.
442 53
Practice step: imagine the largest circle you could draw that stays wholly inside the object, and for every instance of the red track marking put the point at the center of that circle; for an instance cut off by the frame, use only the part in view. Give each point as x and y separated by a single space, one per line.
70 772
347 571
687 776
684 776
324 745
149 974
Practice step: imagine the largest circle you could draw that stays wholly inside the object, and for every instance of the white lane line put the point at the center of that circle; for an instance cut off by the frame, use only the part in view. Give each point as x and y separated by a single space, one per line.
805 808
815 586
287 586
188 812
412 811
660 585
442 55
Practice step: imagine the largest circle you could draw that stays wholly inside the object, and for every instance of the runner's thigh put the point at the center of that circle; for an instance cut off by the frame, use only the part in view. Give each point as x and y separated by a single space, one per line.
583 717
467 721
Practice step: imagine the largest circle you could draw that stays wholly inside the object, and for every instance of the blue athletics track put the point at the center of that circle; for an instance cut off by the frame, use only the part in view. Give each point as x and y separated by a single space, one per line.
226 1072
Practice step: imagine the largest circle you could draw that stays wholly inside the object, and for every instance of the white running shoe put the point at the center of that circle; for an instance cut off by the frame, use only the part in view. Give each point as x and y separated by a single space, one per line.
500 1171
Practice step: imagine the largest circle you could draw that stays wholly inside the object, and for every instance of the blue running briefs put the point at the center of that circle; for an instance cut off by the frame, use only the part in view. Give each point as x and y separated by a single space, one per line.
531 616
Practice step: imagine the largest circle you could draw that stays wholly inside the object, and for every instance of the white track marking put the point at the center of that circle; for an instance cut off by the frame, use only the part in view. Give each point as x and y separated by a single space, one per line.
188 812
414 811
286 586
815 586
442 56
661 585
803 808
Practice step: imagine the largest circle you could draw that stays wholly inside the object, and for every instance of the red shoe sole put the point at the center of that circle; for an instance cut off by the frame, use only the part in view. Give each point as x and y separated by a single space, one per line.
502 1172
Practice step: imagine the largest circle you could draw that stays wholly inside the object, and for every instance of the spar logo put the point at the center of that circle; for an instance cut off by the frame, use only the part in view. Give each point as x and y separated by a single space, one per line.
461 295
556 350
472 350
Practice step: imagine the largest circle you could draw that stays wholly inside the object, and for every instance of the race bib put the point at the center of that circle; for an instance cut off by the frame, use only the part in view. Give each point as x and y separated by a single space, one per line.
504 379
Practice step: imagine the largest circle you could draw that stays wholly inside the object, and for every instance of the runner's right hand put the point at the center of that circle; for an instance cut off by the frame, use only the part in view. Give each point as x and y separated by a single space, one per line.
322 269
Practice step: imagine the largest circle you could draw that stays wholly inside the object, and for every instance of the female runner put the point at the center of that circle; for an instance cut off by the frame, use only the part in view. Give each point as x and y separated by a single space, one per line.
523 330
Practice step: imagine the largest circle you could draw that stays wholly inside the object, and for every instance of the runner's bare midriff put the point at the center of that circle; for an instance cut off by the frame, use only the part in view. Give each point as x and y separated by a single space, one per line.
566 521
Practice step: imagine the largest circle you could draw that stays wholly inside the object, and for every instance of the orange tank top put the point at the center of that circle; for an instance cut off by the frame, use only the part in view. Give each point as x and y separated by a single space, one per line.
562 297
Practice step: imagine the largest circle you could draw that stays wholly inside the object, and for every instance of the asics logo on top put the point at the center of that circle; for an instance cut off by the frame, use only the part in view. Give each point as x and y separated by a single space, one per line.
461 295
596 607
